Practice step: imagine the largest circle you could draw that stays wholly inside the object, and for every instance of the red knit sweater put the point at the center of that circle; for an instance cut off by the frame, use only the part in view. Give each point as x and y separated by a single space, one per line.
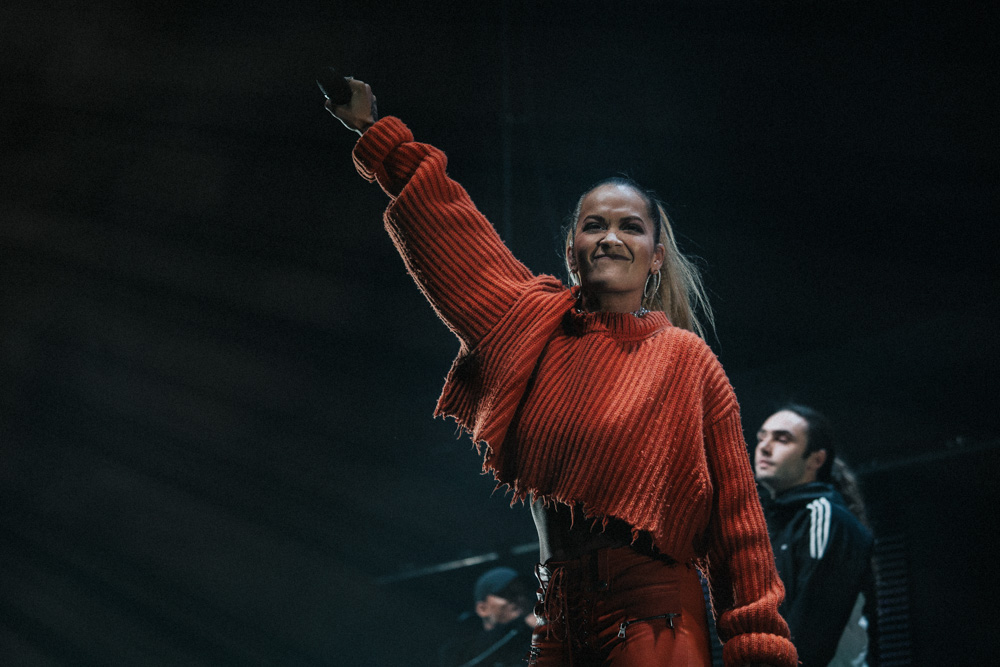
629 416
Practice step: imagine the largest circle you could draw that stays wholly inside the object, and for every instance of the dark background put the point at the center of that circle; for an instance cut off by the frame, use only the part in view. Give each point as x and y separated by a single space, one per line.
216 442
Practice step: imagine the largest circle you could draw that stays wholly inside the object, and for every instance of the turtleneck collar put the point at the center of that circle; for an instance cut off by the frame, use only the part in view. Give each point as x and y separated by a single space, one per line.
620 326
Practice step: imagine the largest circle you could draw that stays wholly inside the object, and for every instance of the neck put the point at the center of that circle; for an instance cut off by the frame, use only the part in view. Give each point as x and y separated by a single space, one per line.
611 302
775 492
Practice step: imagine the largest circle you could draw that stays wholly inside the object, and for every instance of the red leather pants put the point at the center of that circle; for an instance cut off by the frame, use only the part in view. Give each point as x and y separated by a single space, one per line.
619 607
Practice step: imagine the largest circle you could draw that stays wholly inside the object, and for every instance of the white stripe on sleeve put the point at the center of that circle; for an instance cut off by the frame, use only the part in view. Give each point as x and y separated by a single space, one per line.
819 527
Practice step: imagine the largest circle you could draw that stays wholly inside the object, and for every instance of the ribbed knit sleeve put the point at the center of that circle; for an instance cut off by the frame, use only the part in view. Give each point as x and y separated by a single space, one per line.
745 584
449 248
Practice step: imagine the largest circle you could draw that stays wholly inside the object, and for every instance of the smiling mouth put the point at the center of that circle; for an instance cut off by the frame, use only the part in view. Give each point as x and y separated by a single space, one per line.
620 257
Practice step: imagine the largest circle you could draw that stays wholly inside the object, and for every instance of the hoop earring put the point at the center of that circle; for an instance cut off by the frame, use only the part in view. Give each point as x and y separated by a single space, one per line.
646 293
574 276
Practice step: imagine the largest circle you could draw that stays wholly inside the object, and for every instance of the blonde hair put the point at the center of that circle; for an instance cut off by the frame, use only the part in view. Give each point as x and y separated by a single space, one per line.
682 293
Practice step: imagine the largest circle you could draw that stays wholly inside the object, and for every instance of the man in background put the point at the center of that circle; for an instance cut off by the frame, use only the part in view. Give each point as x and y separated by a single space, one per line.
821 540
497 633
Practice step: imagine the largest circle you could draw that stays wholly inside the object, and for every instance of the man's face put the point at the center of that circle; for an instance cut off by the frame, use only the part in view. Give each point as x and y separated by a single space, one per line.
780 460
495 610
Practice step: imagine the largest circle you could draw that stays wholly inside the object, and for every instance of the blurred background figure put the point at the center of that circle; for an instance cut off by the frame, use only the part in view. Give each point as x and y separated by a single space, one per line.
497 632
821 539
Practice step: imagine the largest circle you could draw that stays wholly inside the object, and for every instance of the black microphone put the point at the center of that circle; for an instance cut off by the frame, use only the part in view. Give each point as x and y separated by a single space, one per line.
333 86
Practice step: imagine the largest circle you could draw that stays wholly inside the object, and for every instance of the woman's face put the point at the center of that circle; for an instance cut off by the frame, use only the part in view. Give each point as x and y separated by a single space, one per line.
613 248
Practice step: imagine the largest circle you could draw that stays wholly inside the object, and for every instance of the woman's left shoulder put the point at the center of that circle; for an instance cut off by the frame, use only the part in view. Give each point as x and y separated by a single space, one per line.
690 342
694 353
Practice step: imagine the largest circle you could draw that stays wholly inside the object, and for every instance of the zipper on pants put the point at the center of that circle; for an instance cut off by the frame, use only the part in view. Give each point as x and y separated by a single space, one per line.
625 624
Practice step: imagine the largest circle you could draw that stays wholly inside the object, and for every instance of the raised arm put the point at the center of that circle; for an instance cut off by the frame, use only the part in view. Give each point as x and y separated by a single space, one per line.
745 584
450 249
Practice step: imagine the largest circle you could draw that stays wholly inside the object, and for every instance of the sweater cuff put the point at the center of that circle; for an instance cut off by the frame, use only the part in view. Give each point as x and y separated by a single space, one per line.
760 648
375 145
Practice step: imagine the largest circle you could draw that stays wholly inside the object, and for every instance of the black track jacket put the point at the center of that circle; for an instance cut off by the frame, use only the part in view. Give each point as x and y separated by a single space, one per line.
823 554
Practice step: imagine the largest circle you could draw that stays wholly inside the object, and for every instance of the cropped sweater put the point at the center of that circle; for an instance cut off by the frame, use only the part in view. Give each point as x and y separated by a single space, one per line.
630 417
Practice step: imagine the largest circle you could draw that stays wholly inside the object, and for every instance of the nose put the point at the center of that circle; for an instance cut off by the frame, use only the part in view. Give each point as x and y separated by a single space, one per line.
611 239
764 446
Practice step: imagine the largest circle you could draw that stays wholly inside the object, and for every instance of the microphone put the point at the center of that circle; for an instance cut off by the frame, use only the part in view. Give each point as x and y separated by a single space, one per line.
333 86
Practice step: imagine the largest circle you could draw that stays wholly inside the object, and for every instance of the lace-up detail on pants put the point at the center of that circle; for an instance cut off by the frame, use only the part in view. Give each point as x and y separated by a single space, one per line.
551 608
565 615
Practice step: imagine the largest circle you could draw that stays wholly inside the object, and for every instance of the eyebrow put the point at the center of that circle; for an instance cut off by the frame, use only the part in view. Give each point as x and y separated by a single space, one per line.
778 432
624 219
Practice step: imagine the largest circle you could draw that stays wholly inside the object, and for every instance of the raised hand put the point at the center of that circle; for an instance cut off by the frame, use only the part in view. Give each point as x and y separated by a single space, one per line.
360 113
